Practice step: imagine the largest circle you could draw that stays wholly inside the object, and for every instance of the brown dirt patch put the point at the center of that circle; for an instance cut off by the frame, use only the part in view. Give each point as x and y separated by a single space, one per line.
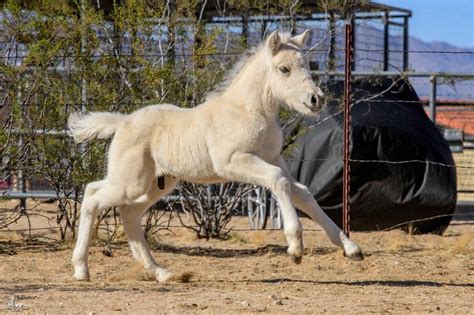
250 273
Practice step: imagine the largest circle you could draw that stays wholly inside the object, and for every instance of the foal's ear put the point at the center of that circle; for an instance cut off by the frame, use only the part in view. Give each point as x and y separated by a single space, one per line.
300 40
274 42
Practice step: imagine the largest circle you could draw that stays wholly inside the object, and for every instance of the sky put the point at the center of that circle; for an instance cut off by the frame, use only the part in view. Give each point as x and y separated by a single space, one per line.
450 21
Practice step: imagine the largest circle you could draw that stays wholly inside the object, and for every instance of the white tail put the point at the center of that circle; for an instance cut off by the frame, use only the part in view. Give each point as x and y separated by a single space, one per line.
85 127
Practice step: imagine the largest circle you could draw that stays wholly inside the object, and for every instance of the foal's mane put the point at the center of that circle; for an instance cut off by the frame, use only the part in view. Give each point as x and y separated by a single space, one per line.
244 59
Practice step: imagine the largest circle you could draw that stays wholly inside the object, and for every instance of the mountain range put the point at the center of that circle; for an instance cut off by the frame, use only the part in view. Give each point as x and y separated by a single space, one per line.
451 59
460 62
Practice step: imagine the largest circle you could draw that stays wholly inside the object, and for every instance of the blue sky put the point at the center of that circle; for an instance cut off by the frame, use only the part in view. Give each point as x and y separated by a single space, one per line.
450 21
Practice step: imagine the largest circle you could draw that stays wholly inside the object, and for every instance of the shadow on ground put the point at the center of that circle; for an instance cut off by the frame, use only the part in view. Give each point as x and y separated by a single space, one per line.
232 253
169 287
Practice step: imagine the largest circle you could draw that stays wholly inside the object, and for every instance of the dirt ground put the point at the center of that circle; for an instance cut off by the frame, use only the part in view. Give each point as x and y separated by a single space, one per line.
248 273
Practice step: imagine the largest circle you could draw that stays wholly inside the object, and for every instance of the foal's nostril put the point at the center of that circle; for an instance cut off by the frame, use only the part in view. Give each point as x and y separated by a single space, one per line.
314 101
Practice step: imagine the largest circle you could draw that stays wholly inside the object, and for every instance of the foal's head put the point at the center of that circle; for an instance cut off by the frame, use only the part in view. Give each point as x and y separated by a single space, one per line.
290 77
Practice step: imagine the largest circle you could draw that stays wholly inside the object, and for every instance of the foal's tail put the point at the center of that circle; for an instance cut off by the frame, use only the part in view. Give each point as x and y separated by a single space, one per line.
101 125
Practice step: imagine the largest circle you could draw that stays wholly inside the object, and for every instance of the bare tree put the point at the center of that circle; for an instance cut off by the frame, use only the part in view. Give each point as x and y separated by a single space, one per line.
211 207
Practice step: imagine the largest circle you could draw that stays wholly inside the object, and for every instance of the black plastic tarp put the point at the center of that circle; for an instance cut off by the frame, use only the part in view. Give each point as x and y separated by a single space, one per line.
387 130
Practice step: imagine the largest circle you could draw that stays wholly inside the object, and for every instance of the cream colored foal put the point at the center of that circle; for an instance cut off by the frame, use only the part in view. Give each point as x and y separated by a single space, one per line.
233 136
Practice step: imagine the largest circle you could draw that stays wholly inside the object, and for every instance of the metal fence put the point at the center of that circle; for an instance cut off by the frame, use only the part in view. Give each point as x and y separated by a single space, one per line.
380 49
262 207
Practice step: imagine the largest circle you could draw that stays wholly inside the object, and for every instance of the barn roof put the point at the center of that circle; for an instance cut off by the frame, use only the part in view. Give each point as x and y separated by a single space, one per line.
456 117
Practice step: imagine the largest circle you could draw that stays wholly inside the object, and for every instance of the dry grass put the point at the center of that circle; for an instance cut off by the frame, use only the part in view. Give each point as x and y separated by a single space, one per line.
463 245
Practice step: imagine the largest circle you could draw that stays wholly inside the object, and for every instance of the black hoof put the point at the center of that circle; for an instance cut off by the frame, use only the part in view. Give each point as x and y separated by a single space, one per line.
296 259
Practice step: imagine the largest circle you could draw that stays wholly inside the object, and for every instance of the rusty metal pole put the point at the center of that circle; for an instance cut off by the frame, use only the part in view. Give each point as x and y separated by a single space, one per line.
346 218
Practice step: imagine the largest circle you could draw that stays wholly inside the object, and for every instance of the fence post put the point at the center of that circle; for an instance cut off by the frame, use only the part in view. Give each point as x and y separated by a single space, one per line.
332 43
354 44
83 80
405 44
245 29
21 182
433 83
21 179
386 35
346 128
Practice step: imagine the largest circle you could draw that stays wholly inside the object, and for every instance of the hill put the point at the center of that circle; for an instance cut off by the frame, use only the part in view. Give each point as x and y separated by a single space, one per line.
460 62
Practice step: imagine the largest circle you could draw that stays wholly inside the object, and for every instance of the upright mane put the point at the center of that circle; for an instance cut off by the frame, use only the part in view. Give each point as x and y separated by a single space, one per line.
240 64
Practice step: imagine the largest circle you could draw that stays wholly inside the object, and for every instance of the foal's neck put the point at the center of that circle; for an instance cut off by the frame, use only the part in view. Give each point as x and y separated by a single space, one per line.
250 87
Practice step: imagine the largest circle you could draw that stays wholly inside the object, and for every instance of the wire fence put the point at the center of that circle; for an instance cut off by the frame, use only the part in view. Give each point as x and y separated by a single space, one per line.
63 82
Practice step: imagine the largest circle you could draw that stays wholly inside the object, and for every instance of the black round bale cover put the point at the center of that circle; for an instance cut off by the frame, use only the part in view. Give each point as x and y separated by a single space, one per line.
389 127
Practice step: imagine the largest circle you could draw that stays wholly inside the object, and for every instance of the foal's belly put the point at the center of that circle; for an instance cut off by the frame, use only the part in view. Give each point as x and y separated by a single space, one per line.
187 161
204 180
184 153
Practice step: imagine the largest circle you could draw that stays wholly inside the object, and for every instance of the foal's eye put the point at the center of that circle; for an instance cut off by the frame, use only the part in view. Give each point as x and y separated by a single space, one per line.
284 69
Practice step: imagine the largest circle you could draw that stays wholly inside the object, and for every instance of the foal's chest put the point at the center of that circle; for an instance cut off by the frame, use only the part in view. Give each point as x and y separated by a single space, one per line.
268 141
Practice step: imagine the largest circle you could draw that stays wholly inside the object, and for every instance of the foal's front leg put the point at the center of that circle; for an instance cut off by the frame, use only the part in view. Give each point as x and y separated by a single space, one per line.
250 168
305 201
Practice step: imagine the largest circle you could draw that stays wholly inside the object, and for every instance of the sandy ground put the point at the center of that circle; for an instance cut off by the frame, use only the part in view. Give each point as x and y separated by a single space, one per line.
248 273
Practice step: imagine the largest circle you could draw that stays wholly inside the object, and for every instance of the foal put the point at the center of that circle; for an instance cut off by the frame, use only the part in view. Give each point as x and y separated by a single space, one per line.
233 136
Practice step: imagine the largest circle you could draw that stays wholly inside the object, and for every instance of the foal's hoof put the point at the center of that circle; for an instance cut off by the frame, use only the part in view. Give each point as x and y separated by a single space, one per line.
163 275
82 276
296 259
353 251
357 256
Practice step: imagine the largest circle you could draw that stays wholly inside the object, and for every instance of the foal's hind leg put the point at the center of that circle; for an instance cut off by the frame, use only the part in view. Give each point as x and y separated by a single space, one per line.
131 219
88 214
98 195
304 200
130 173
